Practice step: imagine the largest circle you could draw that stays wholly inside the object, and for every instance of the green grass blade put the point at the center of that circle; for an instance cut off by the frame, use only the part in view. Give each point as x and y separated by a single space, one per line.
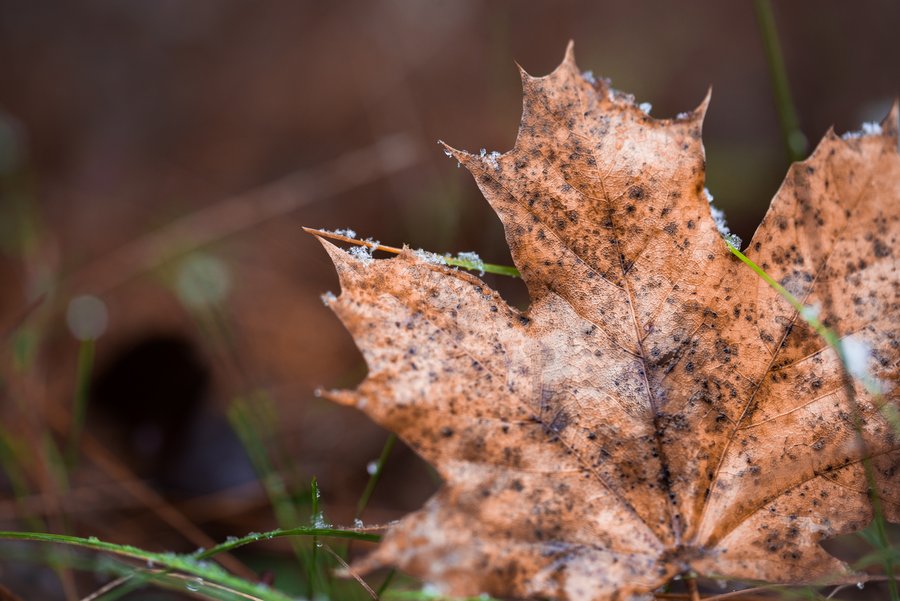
376 475
187 564
195 564
83 370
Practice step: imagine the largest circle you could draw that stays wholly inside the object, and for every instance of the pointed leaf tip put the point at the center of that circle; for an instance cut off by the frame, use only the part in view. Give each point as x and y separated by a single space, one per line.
570 53
341 397
700 111
889 125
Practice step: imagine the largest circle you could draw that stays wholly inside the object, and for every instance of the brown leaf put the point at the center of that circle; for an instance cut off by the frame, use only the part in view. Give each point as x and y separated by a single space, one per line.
659 408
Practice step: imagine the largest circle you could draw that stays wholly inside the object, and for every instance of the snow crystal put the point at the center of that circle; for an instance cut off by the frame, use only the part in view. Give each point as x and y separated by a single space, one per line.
372 467
867 129
320 522
362 253
718 216
328 298
358 523
473 260
490 157
346 232
646 107
682 115
734 240
856 356
871 129
588 76
430 257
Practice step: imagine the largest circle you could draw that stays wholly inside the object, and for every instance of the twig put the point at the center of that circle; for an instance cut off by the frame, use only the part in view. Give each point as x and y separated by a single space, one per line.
349 570
108 587
691 580
447 260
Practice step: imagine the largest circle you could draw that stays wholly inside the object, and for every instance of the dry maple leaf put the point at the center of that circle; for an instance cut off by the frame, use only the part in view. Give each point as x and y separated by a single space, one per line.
658 409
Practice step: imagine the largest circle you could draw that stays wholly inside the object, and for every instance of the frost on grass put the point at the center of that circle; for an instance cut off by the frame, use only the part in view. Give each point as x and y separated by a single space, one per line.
319 521
867 129
430 257
470 260
718 216
466 260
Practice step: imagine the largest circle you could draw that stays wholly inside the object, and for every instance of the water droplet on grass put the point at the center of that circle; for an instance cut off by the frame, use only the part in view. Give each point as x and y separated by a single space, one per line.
87 317
194 584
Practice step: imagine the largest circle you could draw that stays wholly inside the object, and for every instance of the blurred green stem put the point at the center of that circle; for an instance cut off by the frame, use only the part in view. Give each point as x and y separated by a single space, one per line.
376 475
794 140
83 369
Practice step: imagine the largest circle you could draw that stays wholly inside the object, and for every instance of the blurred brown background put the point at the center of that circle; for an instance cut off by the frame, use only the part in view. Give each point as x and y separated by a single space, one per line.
149 150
